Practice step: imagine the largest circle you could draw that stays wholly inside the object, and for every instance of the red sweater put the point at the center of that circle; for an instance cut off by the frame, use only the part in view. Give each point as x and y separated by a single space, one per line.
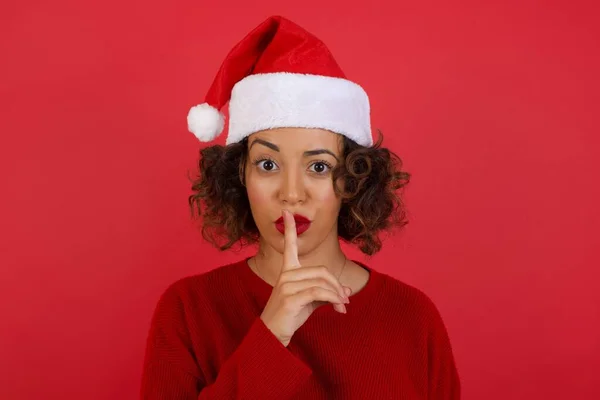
206 341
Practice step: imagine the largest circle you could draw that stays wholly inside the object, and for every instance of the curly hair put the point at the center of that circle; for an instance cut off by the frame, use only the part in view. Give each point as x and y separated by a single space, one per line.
371 203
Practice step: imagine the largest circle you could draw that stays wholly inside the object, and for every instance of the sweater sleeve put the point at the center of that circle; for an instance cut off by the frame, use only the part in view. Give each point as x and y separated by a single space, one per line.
261 367
444 382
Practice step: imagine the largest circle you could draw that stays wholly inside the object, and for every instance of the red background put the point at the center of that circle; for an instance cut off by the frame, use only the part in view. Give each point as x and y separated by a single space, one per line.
491 104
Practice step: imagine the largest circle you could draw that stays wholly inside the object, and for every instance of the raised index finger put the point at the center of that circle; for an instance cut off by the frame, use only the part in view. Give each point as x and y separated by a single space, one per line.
290 242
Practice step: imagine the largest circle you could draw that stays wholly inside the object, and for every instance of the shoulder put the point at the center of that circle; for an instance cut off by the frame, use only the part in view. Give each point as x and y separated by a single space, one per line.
410 301
403 291
183 311
217 276
200 290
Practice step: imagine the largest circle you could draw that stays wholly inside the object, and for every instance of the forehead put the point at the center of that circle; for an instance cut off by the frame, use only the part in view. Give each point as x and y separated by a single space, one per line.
300 138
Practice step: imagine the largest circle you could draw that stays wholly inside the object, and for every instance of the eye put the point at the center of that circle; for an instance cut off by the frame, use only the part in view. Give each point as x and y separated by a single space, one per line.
320 167
266 164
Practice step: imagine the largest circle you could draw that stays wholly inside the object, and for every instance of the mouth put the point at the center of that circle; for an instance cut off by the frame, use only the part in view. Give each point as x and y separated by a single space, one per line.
302 224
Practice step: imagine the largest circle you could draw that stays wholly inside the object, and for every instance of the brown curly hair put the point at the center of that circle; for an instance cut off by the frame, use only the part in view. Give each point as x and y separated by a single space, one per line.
370 201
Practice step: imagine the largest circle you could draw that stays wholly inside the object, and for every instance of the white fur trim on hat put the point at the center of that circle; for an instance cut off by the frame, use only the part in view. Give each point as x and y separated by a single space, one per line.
205 122
283 99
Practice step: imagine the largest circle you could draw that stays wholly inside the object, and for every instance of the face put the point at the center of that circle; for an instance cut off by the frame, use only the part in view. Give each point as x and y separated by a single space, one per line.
291 168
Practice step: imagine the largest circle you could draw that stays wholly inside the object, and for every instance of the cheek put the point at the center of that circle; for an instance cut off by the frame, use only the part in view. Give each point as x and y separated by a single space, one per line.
327 198
257 194
260 198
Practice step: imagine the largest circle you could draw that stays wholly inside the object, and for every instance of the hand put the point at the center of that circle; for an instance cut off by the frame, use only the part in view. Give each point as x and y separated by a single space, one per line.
299 291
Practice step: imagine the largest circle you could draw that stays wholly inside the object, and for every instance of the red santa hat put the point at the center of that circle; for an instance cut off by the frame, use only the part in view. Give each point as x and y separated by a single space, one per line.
278 76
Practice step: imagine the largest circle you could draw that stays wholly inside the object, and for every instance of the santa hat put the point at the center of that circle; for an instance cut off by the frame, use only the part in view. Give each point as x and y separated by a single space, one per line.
278 76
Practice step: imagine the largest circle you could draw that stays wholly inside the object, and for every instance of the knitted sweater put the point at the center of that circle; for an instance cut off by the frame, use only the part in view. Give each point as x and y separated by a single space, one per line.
207 341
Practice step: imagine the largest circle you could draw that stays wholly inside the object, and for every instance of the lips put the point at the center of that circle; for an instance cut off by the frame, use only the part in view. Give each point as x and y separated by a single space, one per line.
302 224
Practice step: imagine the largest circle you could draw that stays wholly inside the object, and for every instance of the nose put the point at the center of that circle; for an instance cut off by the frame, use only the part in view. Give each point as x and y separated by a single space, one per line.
292 188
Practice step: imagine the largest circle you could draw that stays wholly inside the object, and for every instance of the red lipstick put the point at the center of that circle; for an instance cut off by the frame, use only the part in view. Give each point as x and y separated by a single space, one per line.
302 224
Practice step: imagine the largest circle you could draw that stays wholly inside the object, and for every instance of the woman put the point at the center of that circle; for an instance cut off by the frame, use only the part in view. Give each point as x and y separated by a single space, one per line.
298 173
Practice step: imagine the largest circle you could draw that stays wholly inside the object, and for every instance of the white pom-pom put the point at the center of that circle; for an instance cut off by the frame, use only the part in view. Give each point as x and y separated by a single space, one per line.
205 122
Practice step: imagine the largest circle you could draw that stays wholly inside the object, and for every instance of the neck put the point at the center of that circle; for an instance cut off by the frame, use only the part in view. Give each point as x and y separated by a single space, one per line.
327 253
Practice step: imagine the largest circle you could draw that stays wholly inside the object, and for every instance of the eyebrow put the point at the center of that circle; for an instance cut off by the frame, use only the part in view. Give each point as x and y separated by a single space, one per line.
307 153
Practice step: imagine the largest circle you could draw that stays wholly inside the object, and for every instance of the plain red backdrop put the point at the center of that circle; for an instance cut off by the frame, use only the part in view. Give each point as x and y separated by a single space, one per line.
492 105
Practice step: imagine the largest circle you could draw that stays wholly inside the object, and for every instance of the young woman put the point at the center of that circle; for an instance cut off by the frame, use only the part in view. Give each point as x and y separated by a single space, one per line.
299 172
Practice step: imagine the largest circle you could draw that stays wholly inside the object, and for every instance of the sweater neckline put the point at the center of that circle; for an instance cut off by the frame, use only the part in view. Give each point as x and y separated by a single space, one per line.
262 290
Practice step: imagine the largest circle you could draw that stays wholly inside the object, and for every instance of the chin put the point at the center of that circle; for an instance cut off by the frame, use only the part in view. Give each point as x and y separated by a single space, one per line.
306 244
305 247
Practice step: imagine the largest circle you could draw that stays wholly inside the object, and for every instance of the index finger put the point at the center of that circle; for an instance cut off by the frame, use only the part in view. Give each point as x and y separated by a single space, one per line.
290 242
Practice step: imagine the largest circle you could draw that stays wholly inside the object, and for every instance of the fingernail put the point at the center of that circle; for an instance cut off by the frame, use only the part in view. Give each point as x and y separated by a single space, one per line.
346 300
344 309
